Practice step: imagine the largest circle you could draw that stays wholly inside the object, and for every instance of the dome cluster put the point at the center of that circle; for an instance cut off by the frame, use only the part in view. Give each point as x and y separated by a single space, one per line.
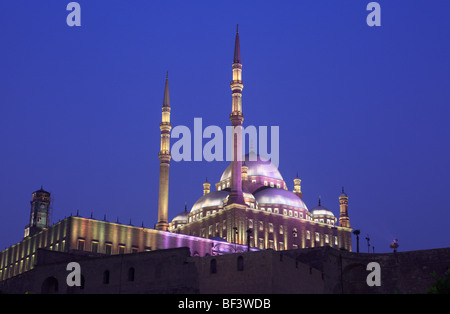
264 189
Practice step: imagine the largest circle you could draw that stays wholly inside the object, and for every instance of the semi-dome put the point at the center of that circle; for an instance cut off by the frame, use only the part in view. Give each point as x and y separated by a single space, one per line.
279 196
214 198
256 167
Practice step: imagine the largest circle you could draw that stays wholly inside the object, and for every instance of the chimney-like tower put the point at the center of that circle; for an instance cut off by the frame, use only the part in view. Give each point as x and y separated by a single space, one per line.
206 187
344 220
236 196
164 162
298 187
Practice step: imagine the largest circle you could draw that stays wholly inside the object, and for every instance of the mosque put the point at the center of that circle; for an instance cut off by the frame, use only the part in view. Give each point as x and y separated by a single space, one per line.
251 203
251 209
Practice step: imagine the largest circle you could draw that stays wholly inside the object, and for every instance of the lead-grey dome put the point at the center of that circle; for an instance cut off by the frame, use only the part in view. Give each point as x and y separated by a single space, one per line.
256 167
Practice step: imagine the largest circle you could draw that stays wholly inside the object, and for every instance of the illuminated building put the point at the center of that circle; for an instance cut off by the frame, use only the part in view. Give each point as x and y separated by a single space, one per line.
251 208
93 237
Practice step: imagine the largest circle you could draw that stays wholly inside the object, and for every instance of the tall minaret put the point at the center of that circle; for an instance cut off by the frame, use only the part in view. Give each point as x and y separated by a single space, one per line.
344 220
236 196
164 161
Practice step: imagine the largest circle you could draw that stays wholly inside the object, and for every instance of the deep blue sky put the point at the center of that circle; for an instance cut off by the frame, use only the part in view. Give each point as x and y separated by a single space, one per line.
360 107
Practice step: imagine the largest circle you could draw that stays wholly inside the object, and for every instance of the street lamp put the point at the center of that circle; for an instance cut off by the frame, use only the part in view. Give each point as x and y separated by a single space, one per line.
249 232
235 233
368 244
356 233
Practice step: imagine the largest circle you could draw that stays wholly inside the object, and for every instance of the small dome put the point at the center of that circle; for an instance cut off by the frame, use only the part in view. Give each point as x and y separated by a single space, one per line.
256 167
214 198
320 210
279 196
180 217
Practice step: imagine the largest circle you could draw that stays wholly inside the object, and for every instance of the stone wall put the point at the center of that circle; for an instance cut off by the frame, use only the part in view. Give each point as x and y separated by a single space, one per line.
401 272
266 272
163 271
314 270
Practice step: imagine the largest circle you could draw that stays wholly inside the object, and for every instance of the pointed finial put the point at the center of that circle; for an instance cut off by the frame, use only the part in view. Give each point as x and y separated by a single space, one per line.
237 28
237 48
104 217
166 101
142 225
319 200
185 206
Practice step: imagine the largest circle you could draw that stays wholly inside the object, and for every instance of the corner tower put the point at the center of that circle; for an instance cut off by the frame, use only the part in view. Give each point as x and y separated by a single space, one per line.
40 212
164 162
344 220
236 196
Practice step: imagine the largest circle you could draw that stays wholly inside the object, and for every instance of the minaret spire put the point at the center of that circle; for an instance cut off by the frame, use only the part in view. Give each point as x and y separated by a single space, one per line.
166 102
237 48
236 195
164 162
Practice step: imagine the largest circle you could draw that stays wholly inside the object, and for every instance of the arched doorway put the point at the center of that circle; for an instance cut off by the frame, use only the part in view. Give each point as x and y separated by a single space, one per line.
49 286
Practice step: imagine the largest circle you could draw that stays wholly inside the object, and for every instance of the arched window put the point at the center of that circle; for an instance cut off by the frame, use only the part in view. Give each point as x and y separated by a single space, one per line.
131 274
106 277
213 266
240 263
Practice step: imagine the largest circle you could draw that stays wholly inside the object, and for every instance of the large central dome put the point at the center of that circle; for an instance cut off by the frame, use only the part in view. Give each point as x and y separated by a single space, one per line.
256 167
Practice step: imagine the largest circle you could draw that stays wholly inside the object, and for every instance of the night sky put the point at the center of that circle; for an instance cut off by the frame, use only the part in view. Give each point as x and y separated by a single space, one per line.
367 108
